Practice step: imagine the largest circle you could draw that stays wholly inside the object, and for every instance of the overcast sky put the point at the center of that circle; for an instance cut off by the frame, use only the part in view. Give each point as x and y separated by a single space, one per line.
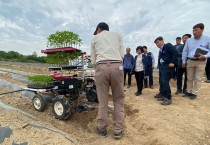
26 24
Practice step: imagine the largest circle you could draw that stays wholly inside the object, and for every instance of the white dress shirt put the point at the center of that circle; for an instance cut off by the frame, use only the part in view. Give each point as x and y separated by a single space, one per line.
107 46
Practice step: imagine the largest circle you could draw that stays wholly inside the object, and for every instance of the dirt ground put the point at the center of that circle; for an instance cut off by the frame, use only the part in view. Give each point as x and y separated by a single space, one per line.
185 122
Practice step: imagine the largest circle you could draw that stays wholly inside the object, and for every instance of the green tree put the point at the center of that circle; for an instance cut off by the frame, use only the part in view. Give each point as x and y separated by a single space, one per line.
63 39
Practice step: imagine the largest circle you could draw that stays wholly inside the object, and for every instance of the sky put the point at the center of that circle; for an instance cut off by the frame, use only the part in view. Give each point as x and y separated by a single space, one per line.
26 24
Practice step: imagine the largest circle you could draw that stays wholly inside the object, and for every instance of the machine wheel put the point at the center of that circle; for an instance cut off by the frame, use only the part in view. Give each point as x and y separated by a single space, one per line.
61 108
38 103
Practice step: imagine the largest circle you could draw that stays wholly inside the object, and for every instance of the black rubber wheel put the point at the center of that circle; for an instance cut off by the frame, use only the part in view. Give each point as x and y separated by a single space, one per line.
61 108
38 103
91 95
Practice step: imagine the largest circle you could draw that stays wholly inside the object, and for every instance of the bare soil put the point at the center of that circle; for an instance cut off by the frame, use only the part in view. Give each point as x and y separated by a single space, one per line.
185 122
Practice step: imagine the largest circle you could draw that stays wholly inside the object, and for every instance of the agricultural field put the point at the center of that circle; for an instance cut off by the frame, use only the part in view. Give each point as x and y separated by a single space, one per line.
185 122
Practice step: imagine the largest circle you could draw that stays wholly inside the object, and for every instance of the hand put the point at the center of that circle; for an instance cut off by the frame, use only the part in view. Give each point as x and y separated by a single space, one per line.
184 65
171 65
201 57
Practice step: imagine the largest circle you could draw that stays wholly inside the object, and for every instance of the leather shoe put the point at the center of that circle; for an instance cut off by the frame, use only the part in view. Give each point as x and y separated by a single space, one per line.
160 99
193 97
187 94
166 102
158 95
100 132
138 93
179 91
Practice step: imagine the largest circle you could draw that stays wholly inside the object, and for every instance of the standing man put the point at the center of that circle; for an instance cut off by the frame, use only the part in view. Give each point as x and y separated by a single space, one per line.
208 71
107 53
167 61
180 69
150 63
195 62
178 44
128 65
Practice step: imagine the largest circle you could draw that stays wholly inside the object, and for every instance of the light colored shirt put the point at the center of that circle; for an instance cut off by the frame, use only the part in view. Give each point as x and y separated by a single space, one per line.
107 46
191 46
139 64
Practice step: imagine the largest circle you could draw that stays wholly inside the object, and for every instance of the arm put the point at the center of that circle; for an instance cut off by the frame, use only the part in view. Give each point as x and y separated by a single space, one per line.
92 53
153 59
208 54
174 55
121 47
185 53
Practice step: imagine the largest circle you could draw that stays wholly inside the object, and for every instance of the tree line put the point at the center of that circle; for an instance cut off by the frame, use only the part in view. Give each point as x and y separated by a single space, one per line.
15 56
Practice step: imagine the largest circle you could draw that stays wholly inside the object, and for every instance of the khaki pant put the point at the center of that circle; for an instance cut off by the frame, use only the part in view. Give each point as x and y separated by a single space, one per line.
109 75
195 73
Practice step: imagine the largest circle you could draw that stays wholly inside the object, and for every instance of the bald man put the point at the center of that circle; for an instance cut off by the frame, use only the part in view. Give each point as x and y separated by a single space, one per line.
128 65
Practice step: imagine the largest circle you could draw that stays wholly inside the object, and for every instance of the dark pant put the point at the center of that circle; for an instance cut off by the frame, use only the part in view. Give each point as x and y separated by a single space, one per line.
180 72
150 76
164 81
174 75
208 69
127 71
139 80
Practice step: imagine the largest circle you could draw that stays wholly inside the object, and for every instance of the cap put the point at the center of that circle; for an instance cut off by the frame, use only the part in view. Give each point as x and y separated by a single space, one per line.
103 26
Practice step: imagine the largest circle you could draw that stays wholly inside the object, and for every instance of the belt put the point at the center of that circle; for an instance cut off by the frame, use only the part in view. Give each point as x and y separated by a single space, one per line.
108 62
194 59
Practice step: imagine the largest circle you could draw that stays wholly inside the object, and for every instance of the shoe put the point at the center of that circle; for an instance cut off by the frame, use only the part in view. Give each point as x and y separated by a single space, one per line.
128 86
138 93
184 91
193 97
207 81
187 94
166 102
179 91
151 87
158 95
160 99
145 87
102 133
118 135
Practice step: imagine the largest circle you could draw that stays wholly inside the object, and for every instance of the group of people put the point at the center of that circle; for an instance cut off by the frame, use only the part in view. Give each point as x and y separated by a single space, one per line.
141 66
112 66
189 58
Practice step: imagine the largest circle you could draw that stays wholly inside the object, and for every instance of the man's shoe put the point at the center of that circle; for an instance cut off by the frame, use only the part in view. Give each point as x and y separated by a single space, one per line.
151 87
207 81
166 102
193 97
128 86
138 93
179 91
184 91
118 135
145 87
102 133
160 99
187 94
158 95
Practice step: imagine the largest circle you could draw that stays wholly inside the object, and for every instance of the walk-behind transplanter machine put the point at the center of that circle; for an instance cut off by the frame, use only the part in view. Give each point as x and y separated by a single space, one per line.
75 91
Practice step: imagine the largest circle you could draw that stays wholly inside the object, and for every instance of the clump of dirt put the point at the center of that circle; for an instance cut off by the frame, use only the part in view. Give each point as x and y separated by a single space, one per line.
129 111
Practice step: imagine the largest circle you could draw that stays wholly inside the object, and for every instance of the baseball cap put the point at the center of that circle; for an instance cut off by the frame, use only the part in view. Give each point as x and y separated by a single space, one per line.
103 26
